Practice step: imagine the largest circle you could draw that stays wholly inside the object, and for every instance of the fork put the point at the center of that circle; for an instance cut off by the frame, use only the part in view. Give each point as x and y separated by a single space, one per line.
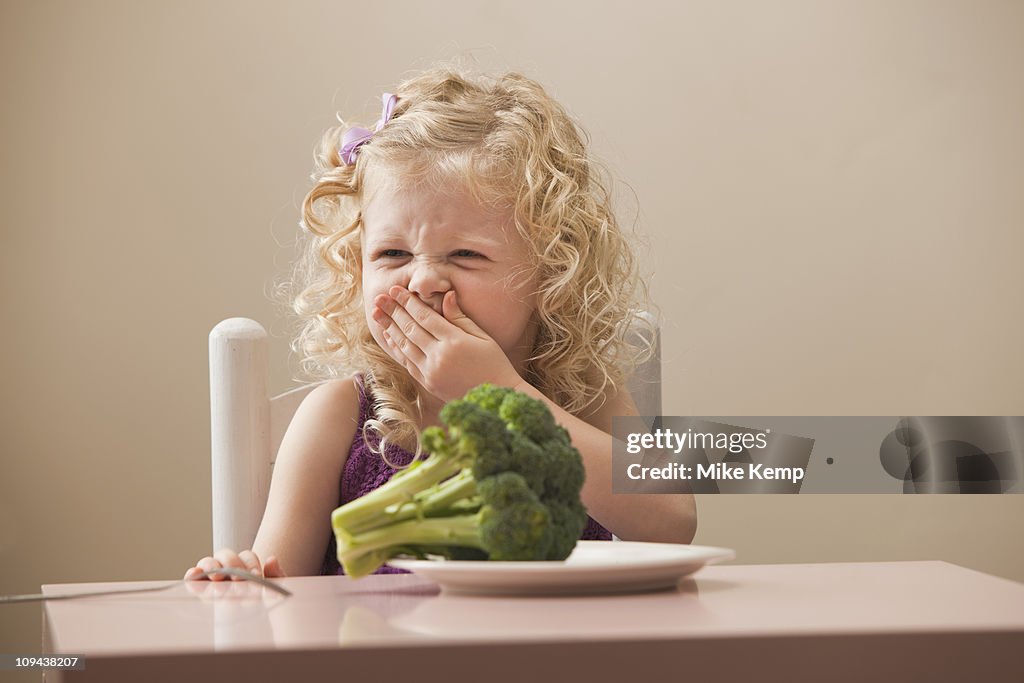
229 571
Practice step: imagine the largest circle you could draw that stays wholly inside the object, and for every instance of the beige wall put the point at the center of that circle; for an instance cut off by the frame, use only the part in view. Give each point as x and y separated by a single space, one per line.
832 193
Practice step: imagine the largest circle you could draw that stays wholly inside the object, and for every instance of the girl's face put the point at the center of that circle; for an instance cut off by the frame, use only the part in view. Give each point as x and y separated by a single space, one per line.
430 243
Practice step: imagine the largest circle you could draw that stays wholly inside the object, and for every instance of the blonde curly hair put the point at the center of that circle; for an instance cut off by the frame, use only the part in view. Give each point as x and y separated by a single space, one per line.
509 144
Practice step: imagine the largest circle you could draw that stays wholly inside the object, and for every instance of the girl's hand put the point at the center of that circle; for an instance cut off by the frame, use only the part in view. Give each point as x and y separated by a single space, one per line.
247 560
448 355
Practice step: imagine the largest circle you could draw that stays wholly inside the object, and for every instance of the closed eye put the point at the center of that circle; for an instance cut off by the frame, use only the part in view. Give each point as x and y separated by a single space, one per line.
399 253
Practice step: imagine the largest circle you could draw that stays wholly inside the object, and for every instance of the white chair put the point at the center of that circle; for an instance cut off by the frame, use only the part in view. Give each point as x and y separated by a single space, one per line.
247 424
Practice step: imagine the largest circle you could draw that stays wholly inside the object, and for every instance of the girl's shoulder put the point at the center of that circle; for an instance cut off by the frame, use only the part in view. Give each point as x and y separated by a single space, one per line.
337 404
339 388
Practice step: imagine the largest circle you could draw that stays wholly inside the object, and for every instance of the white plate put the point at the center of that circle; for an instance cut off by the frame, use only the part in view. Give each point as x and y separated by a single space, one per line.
593 567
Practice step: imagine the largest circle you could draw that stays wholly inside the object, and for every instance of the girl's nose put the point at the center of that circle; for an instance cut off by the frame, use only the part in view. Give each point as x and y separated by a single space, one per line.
429 282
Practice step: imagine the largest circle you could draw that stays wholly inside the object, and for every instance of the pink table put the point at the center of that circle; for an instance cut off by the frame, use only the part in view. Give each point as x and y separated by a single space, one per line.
900 621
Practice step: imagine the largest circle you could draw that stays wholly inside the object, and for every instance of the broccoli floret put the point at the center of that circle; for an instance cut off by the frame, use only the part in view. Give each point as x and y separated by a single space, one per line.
503 483
568 519
527 415
487 396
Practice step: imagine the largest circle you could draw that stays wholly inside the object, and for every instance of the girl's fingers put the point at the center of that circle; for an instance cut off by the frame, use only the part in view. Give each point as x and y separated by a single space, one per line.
228 558
209 564
453 313
395 336
432 322
252 563
401 325
248 560
272 569
397 351
192 574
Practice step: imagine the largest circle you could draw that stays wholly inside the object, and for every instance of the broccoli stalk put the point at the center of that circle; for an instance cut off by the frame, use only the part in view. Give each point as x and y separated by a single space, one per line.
502 484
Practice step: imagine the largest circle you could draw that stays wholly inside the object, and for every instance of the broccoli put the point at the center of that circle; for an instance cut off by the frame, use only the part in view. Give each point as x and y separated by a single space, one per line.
502 484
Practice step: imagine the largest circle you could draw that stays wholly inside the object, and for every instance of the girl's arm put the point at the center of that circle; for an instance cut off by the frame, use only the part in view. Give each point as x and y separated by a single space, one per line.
304 489
662 517
305 486
294 534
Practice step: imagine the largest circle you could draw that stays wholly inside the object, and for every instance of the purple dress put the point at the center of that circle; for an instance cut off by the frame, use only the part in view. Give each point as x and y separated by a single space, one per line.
364 471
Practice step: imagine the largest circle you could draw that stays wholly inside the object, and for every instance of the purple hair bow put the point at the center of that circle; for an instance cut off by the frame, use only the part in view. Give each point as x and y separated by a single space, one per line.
356 137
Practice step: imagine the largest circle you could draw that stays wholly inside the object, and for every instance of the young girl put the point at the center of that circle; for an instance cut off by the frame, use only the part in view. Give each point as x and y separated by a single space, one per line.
467 239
